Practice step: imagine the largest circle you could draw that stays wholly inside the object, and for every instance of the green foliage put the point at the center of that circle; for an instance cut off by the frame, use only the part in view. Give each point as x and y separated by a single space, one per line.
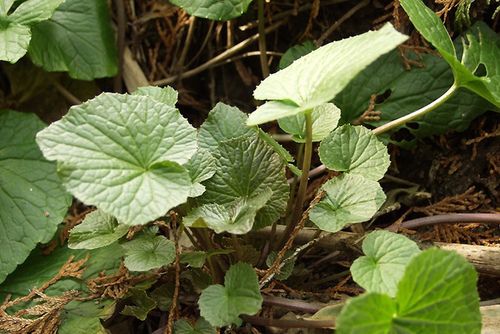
126 161
141 304
15 28
32 199
295 52
384 263
324 117
348 199
85 317
355 150
319 76
222 305
437 294
148 251
417 88
166 95
220 10
98 229
78 39
481 46
201 326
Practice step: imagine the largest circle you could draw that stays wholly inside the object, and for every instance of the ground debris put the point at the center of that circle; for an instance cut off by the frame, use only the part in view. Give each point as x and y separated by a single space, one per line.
465 202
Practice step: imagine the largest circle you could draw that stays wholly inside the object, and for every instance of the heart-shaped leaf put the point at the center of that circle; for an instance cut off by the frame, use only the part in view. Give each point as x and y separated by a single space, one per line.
386 257
148 252
222 305
123 154
348 199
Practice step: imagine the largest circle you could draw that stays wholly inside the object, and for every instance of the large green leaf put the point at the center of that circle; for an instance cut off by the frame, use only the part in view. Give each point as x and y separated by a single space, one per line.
220 10
98 229
14 41
166 95
222 305
236 217
355 150
320 75
85 317
77 39
32 199
409 91
324 119
122 153
348 199
484 48
437 294
245 169
142 304
33 11
148 252
386 257
295 52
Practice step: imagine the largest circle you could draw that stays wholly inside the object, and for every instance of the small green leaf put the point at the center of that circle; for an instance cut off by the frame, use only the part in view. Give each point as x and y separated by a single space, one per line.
236 217
148 252
32 200
14 39
319 76
386 257
202 326
348 199
78 39
222 305
201 167
33 11
220 10
295 52
324 118
437 294
142 304
98 229
194 259
247 168
355 150
166 95
85 317
223 123
126 161
163 295
287 269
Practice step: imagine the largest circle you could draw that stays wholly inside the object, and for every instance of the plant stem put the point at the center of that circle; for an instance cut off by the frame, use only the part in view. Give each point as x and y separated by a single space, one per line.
260 321
262 40
453 218
417 113
304 179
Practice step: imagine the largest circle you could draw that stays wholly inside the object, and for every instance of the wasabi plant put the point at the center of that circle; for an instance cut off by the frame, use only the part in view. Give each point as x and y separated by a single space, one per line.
144 167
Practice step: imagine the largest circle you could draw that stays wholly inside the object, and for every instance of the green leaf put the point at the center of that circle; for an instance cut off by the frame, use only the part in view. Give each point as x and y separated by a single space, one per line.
98 229
14 39
33 11
126 160
148 252
236 217
348 199
142 304
245 169
166 95
484 48
163 295
5 6
194 259
220 10
32 200
222 305
386 256
78 39
319 76
295 52
201 326
85 317
223 123
324 118
288 265
437 294
417 88
201 167
355 150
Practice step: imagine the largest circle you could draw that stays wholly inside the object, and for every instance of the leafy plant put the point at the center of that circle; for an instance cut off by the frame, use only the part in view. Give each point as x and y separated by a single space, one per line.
154 178
220 10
